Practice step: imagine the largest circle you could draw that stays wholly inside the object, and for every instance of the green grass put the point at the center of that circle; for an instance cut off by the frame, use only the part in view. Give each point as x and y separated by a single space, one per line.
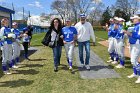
37 75
101 35
37 38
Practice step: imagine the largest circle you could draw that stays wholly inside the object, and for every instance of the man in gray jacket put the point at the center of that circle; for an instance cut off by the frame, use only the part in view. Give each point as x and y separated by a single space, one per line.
85 31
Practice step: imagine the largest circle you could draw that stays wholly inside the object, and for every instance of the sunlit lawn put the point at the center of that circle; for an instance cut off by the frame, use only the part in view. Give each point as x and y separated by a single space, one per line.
37 75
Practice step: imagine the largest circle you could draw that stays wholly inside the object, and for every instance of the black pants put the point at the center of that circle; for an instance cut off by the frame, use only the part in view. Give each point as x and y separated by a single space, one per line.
25 45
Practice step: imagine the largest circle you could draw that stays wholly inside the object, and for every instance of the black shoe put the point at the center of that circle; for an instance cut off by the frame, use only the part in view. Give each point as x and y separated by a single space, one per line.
58 64
55 69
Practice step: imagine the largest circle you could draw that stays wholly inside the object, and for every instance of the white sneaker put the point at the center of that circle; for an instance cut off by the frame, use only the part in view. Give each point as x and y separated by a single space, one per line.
7 73
87 67
15 66
82 65
138 80
70 68
109 61
132 76
120 66
114 62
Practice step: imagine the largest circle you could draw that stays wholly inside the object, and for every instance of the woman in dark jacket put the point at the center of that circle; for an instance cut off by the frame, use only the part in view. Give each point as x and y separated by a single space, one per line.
55 33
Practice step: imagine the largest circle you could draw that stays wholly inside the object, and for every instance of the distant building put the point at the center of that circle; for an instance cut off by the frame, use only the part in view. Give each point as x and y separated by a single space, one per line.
38 21
6 13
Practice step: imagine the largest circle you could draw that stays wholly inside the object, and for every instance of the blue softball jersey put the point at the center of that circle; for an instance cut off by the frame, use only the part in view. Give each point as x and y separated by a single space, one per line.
68 33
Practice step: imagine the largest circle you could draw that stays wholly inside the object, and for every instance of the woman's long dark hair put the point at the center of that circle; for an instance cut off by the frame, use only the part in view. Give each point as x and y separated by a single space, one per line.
59 24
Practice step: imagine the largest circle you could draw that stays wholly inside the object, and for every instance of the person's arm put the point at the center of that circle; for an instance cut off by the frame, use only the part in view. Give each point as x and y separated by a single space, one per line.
62 36
2 33
92 33
75 35
137 35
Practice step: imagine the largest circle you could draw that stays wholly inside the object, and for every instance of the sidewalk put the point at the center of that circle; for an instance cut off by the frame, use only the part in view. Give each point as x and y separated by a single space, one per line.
99 69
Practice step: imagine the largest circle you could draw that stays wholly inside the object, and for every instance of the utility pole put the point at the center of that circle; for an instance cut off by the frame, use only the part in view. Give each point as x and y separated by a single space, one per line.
29 18
13 10
23 13
23 16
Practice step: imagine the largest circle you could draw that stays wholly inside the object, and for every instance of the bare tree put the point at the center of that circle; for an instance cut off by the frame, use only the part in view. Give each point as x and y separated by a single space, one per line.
60 7
127 6
135 6
96 12
72 8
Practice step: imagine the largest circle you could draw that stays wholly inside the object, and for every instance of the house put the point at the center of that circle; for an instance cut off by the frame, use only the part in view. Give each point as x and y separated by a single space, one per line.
6 13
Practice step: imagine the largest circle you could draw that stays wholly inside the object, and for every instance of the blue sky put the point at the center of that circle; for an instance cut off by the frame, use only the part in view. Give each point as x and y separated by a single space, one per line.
36 7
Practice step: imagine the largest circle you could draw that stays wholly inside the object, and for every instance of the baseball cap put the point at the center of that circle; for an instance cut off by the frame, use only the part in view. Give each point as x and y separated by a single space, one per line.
14 23
121 19
82 15
25 29
111 19
116 18
135 17
68 19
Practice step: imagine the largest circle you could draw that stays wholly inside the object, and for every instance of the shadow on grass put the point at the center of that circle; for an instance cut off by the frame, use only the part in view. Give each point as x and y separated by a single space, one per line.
31 65
66 67
26 72
37 59
92 68
30 52
16 83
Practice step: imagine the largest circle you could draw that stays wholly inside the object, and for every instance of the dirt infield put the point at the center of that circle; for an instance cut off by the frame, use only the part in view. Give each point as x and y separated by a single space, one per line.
127 53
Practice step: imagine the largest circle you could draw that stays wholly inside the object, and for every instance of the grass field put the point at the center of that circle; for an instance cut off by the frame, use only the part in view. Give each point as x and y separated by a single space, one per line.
37 75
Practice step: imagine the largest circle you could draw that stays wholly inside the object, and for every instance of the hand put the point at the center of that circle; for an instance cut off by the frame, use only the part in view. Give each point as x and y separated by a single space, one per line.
72 42
64 42
61 36
106 25
128 33
116 27
94 44
124 31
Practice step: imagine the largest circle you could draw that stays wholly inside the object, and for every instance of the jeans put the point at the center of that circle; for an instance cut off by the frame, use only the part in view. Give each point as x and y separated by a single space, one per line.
25 45
57 55
87 49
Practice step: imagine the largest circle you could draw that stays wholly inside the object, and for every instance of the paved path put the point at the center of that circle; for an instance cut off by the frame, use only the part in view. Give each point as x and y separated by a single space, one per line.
99 69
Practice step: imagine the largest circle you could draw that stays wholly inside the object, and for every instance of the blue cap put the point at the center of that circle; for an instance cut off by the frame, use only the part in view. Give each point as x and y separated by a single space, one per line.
68 19
25 29
82 15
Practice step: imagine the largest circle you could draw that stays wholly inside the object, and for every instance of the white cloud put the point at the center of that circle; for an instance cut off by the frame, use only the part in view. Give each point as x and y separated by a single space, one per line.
96 1
60 0
36 4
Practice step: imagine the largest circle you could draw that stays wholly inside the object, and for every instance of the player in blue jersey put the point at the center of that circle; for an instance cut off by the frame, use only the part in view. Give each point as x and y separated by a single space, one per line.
134 40
69 36
16 44
7 46
26 40
111 46
120 44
